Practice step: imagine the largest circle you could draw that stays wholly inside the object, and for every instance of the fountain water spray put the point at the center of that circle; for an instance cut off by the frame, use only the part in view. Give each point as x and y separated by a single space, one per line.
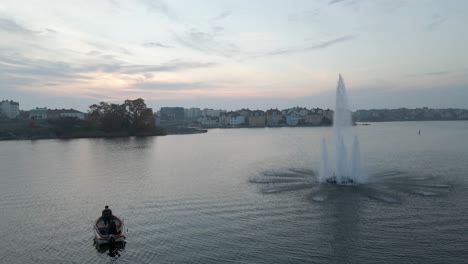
344 166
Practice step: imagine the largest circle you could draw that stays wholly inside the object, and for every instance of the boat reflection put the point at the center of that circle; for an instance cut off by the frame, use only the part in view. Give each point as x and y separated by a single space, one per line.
112 249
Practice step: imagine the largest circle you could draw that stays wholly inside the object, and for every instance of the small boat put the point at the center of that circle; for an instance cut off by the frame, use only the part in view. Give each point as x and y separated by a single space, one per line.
101 231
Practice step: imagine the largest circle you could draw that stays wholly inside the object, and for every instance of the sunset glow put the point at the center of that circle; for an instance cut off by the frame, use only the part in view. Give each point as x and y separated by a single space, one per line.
179 52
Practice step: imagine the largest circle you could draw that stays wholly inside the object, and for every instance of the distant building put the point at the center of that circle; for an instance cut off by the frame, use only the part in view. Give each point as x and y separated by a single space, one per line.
405 114
24 114
329 114
192 113
295 116
157 120
9 109
172 113
236 119
274 117
313 119
327 117
225 119
38 113
209 121
293 119
302 111
317 111
64 113
211 112
245 113
257 118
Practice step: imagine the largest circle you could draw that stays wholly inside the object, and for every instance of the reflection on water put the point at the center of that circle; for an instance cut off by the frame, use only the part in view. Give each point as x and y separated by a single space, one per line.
346 227
238 196
361 220
113 250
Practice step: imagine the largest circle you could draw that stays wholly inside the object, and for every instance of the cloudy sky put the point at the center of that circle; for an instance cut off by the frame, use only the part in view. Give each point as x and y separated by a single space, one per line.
234 54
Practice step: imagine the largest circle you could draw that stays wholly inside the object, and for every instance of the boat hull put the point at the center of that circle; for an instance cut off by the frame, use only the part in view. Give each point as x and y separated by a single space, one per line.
101 231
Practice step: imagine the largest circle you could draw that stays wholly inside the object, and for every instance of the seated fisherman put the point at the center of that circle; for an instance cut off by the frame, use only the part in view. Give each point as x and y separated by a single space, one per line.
107 215
112 228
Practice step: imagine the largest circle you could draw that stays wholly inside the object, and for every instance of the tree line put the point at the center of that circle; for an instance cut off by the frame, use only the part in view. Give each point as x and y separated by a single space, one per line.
133 117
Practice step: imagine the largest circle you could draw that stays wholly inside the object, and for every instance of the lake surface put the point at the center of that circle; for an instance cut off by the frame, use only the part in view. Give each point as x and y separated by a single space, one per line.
239 196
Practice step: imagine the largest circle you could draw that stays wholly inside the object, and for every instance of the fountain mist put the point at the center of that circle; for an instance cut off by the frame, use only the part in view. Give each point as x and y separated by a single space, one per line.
344 166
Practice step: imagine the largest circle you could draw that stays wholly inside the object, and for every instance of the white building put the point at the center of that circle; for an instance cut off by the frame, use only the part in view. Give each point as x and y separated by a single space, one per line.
237 119
225 118
9 109
44 113
65 113
293 119
38 113
209 121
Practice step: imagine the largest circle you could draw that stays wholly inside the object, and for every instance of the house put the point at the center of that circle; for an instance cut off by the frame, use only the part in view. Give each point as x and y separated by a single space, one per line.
209 121
211 112
313 119
192 113
257 118
328 114
327 117
245 113
225 119
64 113
302 111
38 113
9 109
236 119
274 117
231 118
317 111
172 113
293 118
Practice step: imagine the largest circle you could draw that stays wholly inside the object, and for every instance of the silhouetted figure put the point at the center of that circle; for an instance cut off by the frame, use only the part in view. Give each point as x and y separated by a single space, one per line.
112 228
419 132
106 215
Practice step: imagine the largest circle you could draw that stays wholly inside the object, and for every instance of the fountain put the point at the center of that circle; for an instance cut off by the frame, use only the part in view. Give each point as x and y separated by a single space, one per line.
343 166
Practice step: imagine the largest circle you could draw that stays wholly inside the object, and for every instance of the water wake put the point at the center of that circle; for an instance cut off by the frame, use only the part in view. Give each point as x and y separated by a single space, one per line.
390 187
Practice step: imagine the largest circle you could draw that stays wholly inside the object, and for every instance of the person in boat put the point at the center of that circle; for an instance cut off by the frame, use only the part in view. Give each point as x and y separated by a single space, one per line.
107 215
112 228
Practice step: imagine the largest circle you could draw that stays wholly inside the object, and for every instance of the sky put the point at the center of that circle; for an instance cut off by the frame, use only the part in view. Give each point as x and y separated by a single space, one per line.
221 54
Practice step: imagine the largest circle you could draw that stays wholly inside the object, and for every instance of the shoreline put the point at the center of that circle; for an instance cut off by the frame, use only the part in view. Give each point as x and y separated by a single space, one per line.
165 131
107 135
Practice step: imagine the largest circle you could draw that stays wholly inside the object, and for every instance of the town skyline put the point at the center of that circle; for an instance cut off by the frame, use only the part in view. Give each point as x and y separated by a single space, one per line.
234 55
11 110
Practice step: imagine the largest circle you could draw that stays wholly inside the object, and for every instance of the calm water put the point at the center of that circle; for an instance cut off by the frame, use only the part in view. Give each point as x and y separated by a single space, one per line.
239 196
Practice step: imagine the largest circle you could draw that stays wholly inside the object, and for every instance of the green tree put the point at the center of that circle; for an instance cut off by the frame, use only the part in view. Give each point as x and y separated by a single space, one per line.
96 113
139 116
115 118
132 116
